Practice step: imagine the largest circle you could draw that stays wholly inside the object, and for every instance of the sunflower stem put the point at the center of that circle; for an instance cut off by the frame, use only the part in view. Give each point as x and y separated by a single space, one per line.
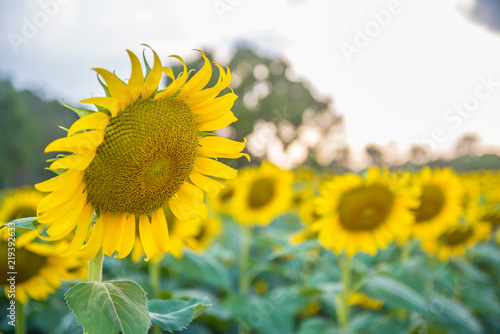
95 268
20 319
341 300
246 233
406 251
154 278
244 284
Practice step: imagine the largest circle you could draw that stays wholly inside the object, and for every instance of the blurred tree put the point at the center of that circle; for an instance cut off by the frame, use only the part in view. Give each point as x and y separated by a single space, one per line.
27 124
419 155
375 154
269 97
467 145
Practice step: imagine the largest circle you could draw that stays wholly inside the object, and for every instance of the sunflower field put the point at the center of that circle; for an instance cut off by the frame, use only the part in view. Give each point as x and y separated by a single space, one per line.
153 222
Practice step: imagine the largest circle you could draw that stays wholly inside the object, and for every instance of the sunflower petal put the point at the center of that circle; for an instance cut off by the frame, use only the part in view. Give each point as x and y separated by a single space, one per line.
93 121
153 79
214 168
91 248
113 233
160 229
75 161
128 238
147 237
206 183
84 143
60 181
82 228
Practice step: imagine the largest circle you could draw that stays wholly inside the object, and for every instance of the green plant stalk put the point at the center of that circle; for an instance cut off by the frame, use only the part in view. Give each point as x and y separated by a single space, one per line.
406 251
244 283
154 280
20 319
341 304
95 268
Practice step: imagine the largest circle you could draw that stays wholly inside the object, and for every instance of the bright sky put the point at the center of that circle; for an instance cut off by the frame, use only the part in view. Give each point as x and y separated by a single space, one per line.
424 73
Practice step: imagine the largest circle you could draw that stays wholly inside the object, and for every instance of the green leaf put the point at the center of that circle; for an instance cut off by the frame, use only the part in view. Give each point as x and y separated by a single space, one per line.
80 112
271 314
482 298
394 294
317 325
28 223
175 315
447 312
109 307
205 268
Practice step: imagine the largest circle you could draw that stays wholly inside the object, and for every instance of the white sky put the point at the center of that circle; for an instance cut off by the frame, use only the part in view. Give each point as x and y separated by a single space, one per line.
397 89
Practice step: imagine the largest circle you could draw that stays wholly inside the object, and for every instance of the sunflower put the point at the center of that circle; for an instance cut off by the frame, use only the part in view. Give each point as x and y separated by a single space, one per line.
263 192
362 214
143 149
360 299
454 239
39 269
19 203
440 201
221 202
304 204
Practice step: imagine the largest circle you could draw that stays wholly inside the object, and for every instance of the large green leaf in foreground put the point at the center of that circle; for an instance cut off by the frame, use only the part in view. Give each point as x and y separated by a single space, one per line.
110 307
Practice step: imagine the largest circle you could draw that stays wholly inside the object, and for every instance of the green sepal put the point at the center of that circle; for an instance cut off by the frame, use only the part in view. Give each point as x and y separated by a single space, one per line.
106 90
28 223
176 315
148 68
110 307
202 134
79 111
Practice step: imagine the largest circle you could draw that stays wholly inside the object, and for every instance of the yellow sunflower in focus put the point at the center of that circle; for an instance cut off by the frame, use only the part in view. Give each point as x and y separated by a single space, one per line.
362 214
143 149
39 269
440 202
19 203
454 239
263 192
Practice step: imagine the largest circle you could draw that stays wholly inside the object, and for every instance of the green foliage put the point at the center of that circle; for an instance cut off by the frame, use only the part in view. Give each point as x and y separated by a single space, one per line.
176 315
29 223
395 294
28 124
110 307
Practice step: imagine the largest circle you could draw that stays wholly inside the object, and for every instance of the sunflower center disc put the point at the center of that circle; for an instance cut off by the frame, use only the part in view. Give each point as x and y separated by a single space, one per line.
365 208
148 152
432 202
261 192
456 236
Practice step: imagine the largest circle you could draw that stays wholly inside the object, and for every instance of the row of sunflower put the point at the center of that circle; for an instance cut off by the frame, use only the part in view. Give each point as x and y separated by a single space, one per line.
365 212
304 220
